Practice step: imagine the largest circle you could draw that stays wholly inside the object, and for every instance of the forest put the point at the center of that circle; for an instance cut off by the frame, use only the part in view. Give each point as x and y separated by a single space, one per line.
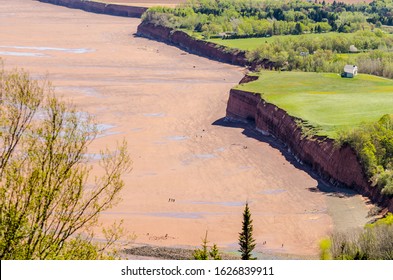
252 18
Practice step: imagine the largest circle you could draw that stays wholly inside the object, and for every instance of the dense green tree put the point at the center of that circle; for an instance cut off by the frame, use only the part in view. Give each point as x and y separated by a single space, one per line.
337 16
204 253
246 240
374 146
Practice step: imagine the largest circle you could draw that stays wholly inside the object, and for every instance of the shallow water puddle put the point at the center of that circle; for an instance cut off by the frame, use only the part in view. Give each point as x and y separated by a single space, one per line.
192 158
23 54
177 138
179 215
272 191
220 149
154 114
87 91
93 157
205 156
103 130
222 203
67 50
147 174
104 126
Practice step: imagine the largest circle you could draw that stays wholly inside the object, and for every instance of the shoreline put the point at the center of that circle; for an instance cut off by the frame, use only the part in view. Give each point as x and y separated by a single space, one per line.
100 7
145 251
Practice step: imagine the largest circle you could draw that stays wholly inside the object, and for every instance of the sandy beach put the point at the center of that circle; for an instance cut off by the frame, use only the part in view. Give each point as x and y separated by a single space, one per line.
192 171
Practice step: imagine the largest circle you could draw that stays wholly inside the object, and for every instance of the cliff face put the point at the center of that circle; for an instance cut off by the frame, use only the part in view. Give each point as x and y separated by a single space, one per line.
100 8
186 42
339 166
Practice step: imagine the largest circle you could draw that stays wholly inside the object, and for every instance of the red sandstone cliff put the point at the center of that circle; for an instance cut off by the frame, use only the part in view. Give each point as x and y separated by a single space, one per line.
192 45
100 8
338 165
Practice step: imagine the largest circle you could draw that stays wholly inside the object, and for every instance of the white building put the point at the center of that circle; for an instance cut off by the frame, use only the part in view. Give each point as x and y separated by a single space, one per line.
350 71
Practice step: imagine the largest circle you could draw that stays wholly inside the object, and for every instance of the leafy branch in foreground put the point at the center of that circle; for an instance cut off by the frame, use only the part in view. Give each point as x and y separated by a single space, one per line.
46 208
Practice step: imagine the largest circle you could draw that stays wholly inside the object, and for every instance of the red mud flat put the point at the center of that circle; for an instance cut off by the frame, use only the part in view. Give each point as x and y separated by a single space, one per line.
192 171
101 7
124 8
146 3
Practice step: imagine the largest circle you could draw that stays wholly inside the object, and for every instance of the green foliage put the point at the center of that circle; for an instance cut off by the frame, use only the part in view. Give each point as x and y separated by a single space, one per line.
324 247
204 253
214 253
320 52
372 243
201 254
374 145
45 204
388 220
260 18
246 240
244 19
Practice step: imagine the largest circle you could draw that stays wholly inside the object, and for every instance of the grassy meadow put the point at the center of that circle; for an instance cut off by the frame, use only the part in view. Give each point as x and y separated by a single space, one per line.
325 100
249 44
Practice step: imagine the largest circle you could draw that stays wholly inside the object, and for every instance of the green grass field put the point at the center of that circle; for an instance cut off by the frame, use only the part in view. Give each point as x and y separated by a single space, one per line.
248 44
325 100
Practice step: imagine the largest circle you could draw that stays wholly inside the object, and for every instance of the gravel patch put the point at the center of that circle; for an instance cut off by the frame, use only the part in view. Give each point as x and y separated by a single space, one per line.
166 253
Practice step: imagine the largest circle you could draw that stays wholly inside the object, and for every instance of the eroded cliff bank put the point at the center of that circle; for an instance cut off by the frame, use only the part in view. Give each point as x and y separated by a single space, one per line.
338 165
190 44
100 8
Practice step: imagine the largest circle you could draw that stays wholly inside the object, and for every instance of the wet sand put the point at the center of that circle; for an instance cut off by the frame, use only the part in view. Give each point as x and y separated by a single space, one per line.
192 172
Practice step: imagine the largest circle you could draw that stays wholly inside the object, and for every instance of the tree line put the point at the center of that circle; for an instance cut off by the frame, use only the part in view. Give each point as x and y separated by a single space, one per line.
374 146
237 18
255 18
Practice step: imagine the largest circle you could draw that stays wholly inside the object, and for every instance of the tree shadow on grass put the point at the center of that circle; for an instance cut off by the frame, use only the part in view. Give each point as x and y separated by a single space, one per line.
322 185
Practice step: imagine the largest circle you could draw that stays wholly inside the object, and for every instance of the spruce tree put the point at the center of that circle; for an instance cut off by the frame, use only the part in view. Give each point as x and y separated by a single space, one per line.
204 254
246 241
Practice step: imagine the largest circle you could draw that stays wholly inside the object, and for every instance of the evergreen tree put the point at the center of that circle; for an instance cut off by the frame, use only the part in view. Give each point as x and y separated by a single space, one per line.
214 253
204 254
246 241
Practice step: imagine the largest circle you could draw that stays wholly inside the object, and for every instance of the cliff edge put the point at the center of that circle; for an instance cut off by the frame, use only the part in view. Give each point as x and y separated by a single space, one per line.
338 165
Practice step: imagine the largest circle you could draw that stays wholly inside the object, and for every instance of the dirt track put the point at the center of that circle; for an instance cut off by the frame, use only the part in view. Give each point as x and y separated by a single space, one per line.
168 105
